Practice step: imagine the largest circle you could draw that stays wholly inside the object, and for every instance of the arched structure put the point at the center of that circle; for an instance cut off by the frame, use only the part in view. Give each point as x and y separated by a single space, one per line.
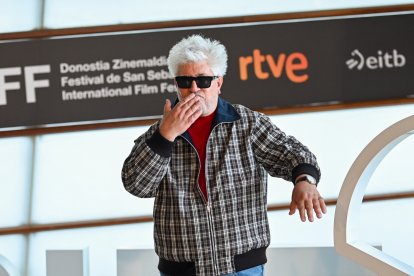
350 201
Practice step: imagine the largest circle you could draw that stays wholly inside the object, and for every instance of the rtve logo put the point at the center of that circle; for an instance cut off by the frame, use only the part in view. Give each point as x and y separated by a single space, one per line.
293 65
380 61
29 78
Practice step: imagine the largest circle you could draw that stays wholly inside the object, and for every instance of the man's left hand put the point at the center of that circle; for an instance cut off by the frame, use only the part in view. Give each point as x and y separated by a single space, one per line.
306 198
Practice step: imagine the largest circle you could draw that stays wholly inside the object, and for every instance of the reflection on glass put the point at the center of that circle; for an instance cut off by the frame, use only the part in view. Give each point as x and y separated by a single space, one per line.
393 174
101 242
19 15
337 138
15 173
78 176
12 247
390 224
288 231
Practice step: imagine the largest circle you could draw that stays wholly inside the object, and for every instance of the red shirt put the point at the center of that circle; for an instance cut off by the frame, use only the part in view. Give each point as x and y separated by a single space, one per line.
199 132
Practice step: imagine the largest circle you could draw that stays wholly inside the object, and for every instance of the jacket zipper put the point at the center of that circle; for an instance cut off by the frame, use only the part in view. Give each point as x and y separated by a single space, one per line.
215 258
209 216
207 203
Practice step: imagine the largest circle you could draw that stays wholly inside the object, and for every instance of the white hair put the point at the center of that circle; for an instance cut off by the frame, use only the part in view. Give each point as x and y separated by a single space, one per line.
196 48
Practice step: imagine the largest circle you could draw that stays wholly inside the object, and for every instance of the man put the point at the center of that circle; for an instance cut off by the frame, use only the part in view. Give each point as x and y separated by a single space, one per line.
206 164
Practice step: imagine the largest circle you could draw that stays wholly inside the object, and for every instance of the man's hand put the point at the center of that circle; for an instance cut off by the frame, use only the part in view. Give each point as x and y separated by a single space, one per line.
177 120
306 198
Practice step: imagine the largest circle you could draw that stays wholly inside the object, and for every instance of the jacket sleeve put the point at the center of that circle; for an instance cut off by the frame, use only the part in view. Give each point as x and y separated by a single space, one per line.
147 164
282 155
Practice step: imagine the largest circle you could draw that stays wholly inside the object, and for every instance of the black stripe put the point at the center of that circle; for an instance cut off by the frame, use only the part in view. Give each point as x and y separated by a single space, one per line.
250 259
172 268
243 261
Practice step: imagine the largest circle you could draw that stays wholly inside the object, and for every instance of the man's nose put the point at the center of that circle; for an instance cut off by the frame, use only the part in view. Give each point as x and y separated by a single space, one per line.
194 87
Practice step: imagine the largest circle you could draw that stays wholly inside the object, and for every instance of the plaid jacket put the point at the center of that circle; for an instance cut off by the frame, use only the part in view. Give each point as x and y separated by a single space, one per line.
242 148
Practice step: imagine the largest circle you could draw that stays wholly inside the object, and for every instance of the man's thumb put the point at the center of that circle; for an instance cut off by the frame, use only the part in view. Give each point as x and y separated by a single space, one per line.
167 106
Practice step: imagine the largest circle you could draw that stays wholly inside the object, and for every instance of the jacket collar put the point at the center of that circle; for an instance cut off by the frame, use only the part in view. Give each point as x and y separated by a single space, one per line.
225 113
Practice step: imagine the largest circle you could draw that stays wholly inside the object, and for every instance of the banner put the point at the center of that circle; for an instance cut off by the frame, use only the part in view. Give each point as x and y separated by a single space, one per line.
123 76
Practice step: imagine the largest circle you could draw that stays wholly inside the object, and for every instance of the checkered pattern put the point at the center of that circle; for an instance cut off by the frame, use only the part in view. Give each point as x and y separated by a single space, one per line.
240 153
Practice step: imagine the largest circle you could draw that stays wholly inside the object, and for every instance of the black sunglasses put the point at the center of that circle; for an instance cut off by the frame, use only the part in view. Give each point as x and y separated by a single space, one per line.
201 81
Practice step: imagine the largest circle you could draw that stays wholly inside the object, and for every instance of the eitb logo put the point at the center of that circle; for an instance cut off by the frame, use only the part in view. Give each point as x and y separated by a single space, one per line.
381 60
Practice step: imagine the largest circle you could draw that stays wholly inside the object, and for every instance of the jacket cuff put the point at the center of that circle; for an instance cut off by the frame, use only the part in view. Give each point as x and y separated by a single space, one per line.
160 145
305 169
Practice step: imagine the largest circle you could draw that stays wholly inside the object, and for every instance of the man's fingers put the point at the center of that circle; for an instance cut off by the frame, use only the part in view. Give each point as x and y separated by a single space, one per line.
309 210
302 214
323 205
188 107
301 209
182 102
317 207
292 208
194 115
308 201
176 120
191 112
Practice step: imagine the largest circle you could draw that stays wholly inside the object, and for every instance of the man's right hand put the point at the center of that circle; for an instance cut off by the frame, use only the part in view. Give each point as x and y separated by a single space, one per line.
177 120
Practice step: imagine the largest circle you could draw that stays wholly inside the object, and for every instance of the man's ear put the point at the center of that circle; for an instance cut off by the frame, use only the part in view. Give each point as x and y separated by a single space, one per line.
220 82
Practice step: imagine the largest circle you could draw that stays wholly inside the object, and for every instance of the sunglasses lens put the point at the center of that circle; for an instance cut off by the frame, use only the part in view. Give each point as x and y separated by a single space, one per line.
184 82
201 81
204 82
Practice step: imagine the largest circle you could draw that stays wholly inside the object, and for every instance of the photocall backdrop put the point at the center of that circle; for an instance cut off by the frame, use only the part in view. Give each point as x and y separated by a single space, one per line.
122 76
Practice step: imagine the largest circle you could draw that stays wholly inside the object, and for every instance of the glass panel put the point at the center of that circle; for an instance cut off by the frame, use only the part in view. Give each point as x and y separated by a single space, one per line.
288 231
78 176
379 226
101 243
387 224
14 180
78 167
337 138
393 174
12 248
390 224
19 15
74 13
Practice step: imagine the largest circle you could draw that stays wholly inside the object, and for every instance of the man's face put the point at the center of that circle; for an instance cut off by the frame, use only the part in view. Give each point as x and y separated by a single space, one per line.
208 96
